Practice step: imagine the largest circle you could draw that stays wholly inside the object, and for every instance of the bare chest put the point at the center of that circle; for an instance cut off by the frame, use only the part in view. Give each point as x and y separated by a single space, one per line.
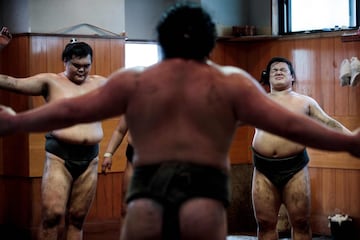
67 89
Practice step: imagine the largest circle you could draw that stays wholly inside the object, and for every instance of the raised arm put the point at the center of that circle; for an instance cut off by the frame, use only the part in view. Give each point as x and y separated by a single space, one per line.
116 139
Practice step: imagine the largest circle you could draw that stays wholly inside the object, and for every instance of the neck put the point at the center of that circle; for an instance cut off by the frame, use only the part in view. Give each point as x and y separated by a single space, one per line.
281 92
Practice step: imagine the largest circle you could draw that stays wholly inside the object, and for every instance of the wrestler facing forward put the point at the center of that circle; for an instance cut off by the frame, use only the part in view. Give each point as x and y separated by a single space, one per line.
5 37
116 139
180 185
70 172
281 165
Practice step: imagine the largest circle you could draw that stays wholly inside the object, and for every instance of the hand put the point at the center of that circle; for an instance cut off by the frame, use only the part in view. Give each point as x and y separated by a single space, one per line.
106 165
5 36
8 110
5 119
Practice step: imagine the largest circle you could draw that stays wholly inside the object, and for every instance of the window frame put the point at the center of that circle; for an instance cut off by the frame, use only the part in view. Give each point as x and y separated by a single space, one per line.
284 18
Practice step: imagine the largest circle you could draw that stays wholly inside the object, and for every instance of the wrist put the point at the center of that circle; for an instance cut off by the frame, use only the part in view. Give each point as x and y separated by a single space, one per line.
108 154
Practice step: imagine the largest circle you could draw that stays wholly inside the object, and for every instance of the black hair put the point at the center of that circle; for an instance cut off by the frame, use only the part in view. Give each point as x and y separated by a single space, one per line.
78 49
265 75
186 31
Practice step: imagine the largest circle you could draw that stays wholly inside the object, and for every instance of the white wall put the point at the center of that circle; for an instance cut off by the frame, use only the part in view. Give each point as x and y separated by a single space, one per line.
137 17
141 17
49 16
227 12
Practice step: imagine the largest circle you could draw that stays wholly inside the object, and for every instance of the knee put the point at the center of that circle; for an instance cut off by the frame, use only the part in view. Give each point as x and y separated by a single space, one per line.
76 220
266 224
50 220
301 224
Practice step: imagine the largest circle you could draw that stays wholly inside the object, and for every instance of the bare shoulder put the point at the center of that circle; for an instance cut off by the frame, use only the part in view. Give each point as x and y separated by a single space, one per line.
125 74
305 98
98 78
124 78
46 77
226 69
234 75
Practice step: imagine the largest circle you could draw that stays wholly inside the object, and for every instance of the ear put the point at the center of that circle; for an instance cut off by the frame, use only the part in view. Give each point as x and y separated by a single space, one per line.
264 77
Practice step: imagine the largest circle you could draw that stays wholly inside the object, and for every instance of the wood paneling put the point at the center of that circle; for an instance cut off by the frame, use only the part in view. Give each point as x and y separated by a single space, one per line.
334 176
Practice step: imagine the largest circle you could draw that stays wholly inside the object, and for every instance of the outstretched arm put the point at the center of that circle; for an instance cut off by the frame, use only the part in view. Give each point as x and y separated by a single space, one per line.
35 85
107 101
316 112
116 139
254 107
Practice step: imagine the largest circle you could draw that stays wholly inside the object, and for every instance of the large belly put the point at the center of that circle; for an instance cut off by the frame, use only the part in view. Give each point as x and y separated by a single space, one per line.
270 145
81 134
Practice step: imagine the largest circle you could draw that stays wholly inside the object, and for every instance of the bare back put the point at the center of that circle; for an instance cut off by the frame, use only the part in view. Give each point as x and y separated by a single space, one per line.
181 111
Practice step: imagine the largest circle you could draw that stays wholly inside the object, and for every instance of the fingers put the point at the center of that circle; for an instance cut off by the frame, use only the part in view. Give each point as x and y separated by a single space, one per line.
5 32
7 110
106 165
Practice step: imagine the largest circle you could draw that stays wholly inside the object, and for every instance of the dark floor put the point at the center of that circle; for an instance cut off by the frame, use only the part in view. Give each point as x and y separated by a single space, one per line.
254 238
109 232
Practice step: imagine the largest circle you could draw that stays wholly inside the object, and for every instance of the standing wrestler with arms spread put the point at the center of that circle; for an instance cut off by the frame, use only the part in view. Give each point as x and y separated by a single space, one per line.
180 185
116 138
70 173
281 165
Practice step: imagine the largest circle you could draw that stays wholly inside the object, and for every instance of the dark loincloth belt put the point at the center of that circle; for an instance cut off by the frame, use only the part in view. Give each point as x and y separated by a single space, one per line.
280 170
173 183
77 157
129 152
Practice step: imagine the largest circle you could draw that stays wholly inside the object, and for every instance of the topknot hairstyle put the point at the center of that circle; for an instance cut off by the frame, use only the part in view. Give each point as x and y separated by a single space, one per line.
77 49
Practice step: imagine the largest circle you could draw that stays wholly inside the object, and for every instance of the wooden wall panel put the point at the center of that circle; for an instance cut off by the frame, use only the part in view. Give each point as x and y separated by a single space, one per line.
344 96
107 203
14 148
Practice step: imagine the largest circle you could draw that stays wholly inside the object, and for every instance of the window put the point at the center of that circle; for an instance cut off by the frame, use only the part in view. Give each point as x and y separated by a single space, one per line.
317 15
141 54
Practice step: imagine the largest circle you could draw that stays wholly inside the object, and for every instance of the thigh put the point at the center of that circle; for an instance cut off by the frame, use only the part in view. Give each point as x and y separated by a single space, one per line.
84 189
203 218
297 195
266 198
143 220
56 184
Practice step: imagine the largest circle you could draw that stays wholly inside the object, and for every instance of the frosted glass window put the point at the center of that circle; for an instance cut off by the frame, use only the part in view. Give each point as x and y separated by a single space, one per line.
141 54
321 14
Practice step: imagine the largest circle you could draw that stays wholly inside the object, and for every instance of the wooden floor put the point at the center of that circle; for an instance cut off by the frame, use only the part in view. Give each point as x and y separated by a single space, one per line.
115 236
109 232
